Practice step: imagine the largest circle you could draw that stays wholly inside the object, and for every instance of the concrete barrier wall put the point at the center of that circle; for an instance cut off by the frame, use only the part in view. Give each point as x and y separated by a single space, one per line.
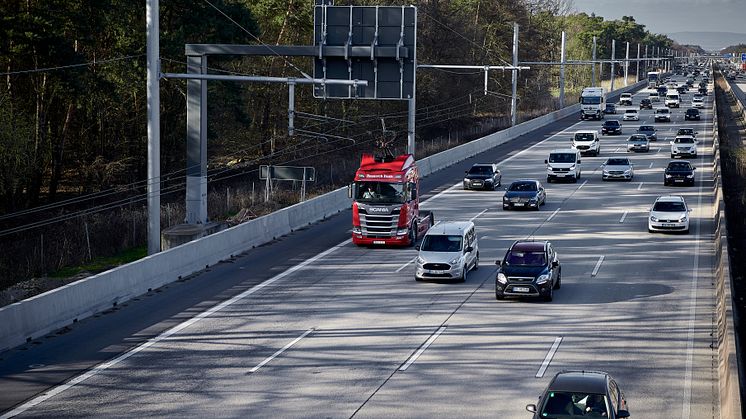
728 368
45 313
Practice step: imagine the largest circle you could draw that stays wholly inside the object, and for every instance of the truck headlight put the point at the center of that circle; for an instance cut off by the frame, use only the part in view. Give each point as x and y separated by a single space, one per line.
542 279
402 232
356 230
501 278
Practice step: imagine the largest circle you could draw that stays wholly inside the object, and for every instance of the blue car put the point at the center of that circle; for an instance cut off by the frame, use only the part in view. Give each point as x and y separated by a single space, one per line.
524 193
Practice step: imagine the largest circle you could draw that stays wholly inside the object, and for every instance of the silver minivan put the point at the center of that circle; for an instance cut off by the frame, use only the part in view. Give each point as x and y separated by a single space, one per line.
449 250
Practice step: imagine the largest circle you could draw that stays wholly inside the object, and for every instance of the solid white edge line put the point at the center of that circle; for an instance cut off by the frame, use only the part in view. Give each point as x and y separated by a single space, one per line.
639 187
621 220
284 348
548 358
406 264
553 214
686 410
598 265
164 335
478 215
586 181
422 349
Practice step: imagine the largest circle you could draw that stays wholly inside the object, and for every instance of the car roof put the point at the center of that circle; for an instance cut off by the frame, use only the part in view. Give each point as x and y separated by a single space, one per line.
482 165
524 181
450 227
528 246
580 381
679 162
564 150
646 127
670 198
636 136
586 131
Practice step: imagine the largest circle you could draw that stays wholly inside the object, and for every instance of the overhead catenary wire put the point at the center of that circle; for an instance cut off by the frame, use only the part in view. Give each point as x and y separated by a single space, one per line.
71 66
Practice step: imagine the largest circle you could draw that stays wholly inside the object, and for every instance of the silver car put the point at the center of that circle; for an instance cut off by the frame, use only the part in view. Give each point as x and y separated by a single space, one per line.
449 250
617 168
638 142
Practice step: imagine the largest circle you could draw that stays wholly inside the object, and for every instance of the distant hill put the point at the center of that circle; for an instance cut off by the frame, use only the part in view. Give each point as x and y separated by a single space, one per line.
710 41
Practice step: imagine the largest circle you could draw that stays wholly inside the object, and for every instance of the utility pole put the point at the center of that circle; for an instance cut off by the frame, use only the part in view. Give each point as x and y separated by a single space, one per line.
514 97
645 70
637 71
626 66
562 73
593 66
154 125
613 57
411 109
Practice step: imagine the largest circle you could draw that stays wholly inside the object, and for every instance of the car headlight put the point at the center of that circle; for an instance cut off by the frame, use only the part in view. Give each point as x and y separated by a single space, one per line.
501 278
420 261
572 167
455 261
628 171
682 219
653 219
606 172
668 176
505 198
542 279
690 176
467 180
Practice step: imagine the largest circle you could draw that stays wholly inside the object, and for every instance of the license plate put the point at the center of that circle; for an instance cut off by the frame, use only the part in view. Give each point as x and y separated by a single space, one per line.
560 175
438 272
520 289
668 225
477 184
379 242
679 180
518 204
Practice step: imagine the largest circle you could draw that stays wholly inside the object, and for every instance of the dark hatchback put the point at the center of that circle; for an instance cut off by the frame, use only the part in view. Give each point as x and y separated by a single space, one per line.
483 176
576 394
610 108
525 193
646 104
529 269
611 127
692 113
648 130
679 173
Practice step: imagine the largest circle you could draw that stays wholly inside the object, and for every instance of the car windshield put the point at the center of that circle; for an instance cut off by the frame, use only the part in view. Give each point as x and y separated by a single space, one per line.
380 192
584 136
521 258
692 111
562 158
661 111
684 140
575 405
441 243
522 187
480 170
590 100
674 97
617 162
646 128
679 166
636 138
630 111
668 206
611 123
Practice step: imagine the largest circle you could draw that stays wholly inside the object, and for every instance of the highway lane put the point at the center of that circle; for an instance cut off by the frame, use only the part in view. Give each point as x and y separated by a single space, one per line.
366 320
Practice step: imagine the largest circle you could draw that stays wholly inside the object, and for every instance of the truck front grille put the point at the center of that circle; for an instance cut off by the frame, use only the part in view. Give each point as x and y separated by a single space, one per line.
379 225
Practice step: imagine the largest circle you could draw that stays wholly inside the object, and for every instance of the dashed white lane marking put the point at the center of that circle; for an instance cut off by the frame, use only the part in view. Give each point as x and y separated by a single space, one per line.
586 181
553 214
284 348
548 358
422 349
621 220
478 215
598 265
406 264
651 165
639 187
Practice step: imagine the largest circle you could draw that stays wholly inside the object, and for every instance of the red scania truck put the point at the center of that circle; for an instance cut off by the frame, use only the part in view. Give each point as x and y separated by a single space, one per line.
386 202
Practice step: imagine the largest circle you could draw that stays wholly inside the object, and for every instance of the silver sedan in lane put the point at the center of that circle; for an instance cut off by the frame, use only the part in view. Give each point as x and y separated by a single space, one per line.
617 168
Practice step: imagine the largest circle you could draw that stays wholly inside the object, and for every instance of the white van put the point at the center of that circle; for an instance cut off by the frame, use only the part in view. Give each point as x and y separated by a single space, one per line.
672 100
654 97
449 250
563 164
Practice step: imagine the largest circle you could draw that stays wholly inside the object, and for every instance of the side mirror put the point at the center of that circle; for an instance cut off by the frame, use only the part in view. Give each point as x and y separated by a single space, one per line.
555 264
532 408
466 172
694 168
579 162
620 414
468 249
546 161
689 209
499 262
417 247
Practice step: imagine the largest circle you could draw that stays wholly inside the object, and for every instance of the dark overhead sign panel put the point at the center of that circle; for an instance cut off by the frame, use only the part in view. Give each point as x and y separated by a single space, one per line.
378 44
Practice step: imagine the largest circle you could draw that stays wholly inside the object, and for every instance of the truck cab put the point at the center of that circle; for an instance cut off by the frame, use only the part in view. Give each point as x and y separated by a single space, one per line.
385 207
592 103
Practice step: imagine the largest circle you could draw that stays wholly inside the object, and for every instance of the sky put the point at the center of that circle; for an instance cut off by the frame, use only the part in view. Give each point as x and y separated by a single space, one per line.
669 16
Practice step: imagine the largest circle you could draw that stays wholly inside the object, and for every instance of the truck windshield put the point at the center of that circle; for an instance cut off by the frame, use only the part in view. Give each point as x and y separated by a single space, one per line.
441 243
380 192
562 158
590 100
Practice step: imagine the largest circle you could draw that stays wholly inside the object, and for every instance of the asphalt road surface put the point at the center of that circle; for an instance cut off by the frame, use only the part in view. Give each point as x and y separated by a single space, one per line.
312 326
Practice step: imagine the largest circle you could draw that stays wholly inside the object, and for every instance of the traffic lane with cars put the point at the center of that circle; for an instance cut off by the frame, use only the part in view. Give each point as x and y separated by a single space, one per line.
373 292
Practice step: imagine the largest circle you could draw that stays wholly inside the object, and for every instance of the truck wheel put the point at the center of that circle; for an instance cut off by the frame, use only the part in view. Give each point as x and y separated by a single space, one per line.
413 235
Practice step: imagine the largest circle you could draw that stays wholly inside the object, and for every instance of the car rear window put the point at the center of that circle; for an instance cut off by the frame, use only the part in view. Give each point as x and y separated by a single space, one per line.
646 128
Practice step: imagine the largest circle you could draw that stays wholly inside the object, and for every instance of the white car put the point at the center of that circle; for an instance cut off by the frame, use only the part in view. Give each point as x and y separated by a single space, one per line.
449 250
587 141
684 145
654 97
698 101
669 213
631 115
672 100
625 99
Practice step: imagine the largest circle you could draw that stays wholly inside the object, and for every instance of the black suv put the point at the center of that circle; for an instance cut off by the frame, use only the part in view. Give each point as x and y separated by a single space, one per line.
611 127
529 269
679 173
682 89
571 394
692 113
646 104
482 176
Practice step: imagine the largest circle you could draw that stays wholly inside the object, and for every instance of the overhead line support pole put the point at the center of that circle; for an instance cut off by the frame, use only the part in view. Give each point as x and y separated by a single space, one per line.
562 73
593 66
626 66
514 79
154 123
613 57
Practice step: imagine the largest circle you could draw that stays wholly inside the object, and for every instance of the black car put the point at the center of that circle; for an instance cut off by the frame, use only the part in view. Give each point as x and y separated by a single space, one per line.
679 173
646 104
610 108
703 91
692 113
482 176
611 127
662 90
575 394
529 269
524 193
682 89
648 130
